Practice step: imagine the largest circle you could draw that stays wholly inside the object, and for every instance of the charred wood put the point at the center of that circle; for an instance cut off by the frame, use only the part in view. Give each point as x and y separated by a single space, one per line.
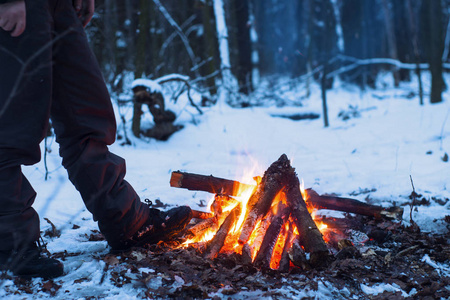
310 236
261 200
298 256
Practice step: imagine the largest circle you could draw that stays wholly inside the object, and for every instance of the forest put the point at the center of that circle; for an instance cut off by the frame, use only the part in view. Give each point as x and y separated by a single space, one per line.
266 39
349 95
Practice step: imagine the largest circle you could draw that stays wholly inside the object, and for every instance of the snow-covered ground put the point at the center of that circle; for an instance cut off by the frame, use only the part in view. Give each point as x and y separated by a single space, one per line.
392 139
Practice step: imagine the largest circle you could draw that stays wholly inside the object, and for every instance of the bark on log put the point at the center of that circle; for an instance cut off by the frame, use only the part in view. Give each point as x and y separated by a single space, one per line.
218 241
210 184
310 236
204 183
353 206
261 200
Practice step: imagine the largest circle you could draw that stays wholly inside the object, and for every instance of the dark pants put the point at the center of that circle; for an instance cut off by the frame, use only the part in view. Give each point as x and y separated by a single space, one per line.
50 71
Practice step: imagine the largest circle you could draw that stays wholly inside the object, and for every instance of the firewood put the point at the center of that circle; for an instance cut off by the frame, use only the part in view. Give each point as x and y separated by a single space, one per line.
196 214
285 260
204 183
353 206
246 254
217 242
264 255
222 201
200 227
261 200
338 223
310 236
298 256
213 184
259 232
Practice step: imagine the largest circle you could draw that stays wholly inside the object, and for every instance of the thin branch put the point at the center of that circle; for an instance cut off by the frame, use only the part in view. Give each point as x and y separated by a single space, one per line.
179 31
413 202
173 35
45 158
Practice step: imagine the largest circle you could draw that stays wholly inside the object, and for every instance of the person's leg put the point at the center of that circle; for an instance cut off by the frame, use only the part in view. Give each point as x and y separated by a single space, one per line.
84 123
25 93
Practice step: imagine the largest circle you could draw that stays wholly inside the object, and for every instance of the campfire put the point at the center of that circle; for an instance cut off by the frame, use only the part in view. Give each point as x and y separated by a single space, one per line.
271 224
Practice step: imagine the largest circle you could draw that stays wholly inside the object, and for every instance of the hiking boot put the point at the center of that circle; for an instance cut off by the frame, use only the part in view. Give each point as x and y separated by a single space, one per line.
160 226
30 262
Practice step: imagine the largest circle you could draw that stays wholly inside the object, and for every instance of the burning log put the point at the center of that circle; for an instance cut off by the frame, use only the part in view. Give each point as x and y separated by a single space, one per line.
211 184
254 244
310 236
196 214
218 241
270 238
261 200
221 201
200 227
285 261
353 206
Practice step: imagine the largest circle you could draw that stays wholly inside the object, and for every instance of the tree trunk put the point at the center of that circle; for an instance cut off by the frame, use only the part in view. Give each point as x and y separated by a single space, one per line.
415 42
143 27
210 45
326 45
433 35
228 80
389 24
244 60
254 46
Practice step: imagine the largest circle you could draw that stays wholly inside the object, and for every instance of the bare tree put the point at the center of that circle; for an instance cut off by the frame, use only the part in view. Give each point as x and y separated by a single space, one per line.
392 44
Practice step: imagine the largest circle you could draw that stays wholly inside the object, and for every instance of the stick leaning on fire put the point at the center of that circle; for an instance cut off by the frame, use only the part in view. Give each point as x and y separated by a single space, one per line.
279 177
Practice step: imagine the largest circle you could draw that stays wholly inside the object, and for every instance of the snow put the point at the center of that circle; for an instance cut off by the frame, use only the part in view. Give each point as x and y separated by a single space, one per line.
382 287
377 151
445 268
172 77
151 85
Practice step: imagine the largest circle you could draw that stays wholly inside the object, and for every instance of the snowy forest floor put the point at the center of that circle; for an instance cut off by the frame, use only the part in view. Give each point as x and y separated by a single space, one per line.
375 142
